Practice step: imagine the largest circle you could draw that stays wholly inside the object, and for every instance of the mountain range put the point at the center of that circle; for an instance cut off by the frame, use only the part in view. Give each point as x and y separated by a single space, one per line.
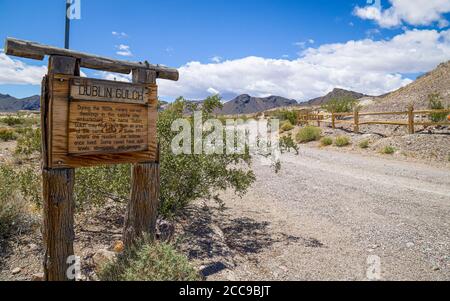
9 103
335 94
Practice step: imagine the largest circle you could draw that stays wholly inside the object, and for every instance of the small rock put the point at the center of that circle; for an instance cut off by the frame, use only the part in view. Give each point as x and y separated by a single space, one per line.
118 246
410 245
16 271
103 257
33 247
38 277
436 269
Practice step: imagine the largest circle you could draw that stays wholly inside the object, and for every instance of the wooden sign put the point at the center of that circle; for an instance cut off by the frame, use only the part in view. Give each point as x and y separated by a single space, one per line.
107 117
95 122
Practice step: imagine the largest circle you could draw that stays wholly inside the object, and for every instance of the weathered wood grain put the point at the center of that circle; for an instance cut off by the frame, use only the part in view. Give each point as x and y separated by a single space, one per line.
32 50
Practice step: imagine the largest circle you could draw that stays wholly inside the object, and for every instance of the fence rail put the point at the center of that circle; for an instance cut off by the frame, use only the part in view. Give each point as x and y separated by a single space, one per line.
410 122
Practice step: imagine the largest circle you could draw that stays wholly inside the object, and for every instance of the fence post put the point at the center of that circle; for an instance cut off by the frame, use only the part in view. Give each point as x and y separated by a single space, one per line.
142 209
411 129
59 206
356 120
333 120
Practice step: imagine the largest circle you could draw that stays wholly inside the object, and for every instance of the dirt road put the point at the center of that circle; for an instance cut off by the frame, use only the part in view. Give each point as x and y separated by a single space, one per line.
331 215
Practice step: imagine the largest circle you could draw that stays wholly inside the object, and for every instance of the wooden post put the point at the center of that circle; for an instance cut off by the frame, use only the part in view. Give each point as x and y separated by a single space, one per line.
356 120
333 120
59 206
142 210
411 129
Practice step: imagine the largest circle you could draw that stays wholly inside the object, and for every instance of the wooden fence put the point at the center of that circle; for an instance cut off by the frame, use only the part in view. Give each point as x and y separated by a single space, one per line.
354 118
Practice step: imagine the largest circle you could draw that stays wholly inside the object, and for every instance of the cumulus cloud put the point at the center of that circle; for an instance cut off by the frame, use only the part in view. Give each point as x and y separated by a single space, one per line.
119 34
124 50
368 66
413 12
216 59
15 72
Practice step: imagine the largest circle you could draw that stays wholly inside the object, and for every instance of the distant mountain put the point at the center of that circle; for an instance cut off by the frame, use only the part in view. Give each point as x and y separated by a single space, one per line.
416 93
9 103
246 104
335 94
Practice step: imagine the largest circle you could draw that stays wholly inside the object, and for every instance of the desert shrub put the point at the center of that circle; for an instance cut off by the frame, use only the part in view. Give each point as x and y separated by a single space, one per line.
285 115
7 134
150 262
364 144
342 141
435 103
286 126
29 141
184 178
12 120
326 141
29 179
388 150
308 133
12 206
340 105
287 143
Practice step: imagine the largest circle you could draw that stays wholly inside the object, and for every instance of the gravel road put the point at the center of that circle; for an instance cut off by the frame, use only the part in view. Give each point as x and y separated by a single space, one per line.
330 215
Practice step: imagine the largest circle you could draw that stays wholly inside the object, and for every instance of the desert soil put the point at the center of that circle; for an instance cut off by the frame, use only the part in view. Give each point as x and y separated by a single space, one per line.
322 217
319 218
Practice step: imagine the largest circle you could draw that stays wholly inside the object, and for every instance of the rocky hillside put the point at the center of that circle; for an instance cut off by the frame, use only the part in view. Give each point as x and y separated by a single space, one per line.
335 94
436 81
9 103
246 104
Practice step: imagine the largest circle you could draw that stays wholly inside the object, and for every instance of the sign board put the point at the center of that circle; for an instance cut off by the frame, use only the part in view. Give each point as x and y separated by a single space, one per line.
95 122
107 117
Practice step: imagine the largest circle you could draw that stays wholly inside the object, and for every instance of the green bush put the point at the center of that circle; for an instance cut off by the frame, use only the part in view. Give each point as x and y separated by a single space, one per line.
29 141
184 178
308 133
326 141
364 144
388 150
286 127
12 120
150 262
340 105
435 103
285 115
287 143
7 134
12 206
342 141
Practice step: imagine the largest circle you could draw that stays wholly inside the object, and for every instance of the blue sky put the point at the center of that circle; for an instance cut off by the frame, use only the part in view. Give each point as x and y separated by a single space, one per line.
218 43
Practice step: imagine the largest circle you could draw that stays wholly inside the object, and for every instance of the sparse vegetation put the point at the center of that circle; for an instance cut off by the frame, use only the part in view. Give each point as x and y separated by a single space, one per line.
150 262
340 105
364 144
29 141
284 115
287 143
388 150
326 141
286 126
7 134
308 134
12 120
435 103
12 205
342 141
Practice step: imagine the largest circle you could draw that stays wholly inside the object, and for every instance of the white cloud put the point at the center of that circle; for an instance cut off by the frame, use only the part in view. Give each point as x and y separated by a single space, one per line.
15 72
119 34
124 50
413 12
114 76
368 66
216 59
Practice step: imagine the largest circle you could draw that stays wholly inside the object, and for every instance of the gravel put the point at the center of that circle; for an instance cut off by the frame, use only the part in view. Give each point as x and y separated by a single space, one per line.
327 211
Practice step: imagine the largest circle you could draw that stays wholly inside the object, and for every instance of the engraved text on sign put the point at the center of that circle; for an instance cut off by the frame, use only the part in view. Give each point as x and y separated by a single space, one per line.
103 126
